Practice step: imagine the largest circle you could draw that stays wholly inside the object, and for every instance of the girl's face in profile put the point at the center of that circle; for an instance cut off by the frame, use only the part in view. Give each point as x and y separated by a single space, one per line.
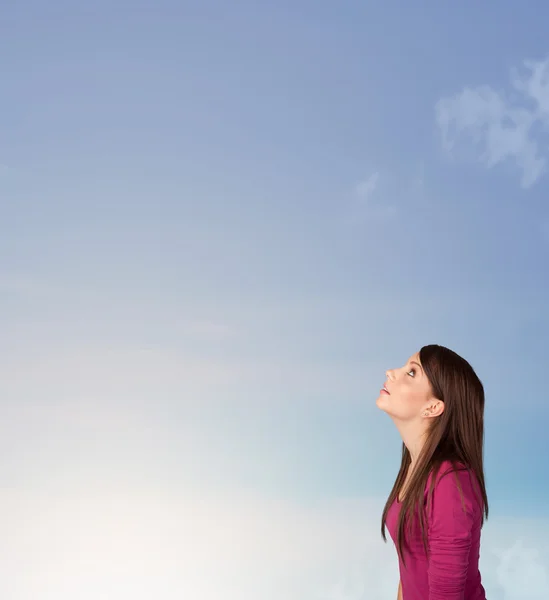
407 391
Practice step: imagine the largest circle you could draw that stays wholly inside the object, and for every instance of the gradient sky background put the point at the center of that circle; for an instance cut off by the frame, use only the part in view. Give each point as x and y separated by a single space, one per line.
220 223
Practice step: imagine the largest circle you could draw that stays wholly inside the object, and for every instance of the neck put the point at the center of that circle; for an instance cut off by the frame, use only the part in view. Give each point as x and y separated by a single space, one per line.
413 436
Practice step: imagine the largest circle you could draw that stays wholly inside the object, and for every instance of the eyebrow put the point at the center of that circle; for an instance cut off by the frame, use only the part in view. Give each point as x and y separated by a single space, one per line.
413 362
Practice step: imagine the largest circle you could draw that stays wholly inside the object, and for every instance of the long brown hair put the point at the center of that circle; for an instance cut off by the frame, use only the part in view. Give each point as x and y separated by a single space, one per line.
457 435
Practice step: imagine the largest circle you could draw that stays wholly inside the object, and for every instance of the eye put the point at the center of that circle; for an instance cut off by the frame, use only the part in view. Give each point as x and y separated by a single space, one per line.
411 373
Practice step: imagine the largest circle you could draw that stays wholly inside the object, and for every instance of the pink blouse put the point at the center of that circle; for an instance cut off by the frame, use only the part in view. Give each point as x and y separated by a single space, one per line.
451 572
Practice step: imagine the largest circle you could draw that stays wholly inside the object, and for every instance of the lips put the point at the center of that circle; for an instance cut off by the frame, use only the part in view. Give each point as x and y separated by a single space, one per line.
384 390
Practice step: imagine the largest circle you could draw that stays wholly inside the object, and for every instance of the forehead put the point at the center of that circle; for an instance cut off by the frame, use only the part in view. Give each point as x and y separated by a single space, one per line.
414 358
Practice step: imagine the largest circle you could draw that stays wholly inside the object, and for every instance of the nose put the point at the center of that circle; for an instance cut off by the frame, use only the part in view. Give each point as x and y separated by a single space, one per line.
389 374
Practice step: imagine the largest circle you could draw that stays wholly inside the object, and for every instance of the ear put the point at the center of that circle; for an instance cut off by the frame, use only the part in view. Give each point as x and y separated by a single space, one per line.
434 409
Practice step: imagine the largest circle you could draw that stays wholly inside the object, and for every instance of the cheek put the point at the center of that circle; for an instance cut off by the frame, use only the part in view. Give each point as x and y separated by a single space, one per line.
415 400
406 402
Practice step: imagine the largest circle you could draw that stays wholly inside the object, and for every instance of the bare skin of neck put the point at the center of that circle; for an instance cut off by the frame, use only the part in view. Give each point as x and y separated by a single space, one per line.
413 435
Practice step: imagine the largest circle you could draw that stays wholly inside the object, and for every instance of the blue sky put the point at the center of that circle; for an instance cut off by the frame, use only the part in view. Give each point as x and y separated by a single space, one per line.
220 224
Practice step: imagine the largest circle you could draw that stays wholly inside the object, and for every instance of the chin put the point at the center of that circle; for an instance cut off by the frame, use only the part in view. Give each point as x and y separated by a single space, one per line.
382 403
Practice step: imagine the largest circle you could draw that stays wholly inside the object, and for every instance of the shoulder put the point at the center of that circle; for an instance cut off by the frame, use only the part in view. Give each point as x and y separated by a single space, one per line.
455 486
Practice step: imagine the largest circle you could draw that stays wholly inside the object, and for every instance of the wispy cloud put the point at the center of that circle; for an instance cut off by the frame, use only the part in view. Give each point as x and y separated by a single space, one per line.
496 126
527 560
367 187
364 191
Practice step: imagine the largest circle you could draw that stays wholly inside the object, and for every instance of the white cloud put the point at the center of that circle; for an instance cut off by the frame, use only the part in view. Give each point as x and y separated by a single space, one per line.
500 126
366 188
522 572
363 205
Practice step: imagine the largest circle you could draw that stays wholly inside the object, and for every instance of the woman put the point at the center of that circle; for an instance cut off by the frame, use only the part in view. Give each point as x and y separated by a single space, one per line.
438 503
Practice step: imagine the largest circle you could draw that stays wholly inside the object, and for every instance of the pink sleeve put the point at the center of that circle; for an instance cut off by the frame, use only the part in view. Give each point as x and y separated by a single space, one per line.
450 530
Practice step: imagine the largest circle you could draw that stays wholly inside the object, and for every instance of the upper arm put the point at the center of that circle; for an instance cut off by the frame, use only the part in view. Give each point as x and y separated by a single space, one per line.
451 521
